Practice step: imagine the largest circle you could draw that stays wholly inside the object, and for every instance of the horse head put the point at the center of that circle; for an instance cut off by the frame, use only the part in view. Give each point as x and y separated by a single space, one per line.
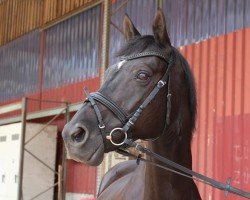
127 85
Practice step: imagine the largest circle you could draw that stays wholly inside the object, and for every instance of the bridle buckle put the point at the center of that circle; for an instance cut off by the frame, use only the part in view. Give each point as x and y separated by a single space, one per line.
161 83
101 126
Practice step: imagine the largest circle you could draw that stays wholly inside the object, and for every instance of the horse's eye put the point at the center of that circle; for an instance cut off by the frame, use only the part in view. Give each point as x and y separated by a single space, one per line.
143 76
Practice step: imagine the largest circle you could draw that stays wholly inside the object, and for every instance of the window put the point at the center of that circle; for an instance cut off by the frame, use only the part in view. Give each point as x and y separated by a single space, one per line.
16 178
15 137
3 178
3 138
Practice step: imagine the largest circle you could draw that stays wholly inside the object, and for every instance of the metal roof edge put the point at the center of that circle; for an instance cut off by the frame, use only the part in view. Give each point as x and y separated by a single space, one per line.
42 113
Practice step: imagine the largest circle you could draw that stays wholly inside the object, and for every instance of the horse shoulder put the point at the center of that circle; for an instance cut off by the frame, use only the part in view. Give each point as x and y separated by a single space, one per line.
125 181
116 172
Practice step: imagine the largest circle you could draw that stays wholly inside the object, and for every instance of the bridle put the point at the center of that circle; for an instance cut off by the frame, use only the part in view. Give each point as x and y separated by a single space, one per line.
129 120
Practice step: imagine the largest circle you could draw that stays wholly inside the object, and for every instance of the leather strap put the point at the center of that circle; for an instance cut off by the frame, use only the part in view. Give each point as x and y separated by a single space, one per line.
145 54
123 117
94 105
161 83
185 171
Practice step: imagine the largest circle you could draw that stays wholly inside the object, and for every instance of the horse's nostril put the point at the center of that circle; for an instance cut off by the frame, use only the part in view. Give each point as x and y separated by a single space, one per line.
79 135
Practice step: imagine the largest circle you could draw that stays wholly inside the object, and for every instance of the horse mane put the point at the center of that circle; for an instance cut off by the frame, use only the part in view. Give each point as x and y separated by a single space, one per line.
190 82
147 42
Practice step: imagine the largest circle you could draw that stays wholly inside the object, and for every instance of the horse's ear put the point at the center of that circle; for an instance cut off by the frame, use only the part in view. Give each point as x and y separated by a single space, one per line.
160 30
129 29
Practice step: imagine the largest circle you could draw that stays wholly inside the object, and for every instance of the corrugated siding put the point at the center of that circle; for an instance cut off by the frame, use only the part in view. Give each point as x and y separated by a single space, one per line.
81 178
140 11
221 144
188 21
19 67
72 50
70 60
191 21
71 92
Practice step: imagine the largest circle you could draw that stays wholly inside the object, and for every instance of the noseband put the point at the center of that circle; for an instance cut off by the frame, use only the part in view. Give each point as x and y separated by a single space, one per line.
129 120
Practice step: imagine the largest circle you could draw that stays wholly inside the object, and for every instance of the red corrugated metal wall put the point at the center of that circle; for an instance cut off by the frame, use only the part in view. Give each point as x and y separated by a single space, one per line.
81 178
71 92
221 143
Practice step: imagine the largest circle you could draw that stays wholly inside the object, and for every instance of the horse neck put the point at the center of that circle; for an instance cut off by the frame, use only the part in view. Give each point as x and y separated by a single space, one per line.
165 182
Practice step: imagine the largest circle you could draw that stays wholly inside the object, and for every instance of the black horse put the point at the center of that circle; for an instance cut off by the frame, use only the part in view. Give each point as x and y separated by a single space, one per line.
150 62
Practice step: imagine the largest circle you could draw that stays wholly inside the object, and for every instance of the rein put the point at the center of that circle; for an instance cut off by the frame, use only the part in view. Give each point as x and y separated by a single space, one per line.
181 170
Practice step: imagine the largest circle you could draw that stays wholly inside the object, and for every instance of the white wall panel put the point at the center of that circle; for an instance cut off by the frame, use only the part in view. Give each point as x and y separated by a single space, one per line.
36 177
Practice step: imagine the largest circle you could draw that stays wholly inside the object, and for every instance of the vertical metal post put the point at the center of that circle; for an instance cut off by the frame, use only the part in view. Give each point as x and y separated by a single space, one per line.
22 142
64 160
105 38
40 66
159 4
104 57
60 183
